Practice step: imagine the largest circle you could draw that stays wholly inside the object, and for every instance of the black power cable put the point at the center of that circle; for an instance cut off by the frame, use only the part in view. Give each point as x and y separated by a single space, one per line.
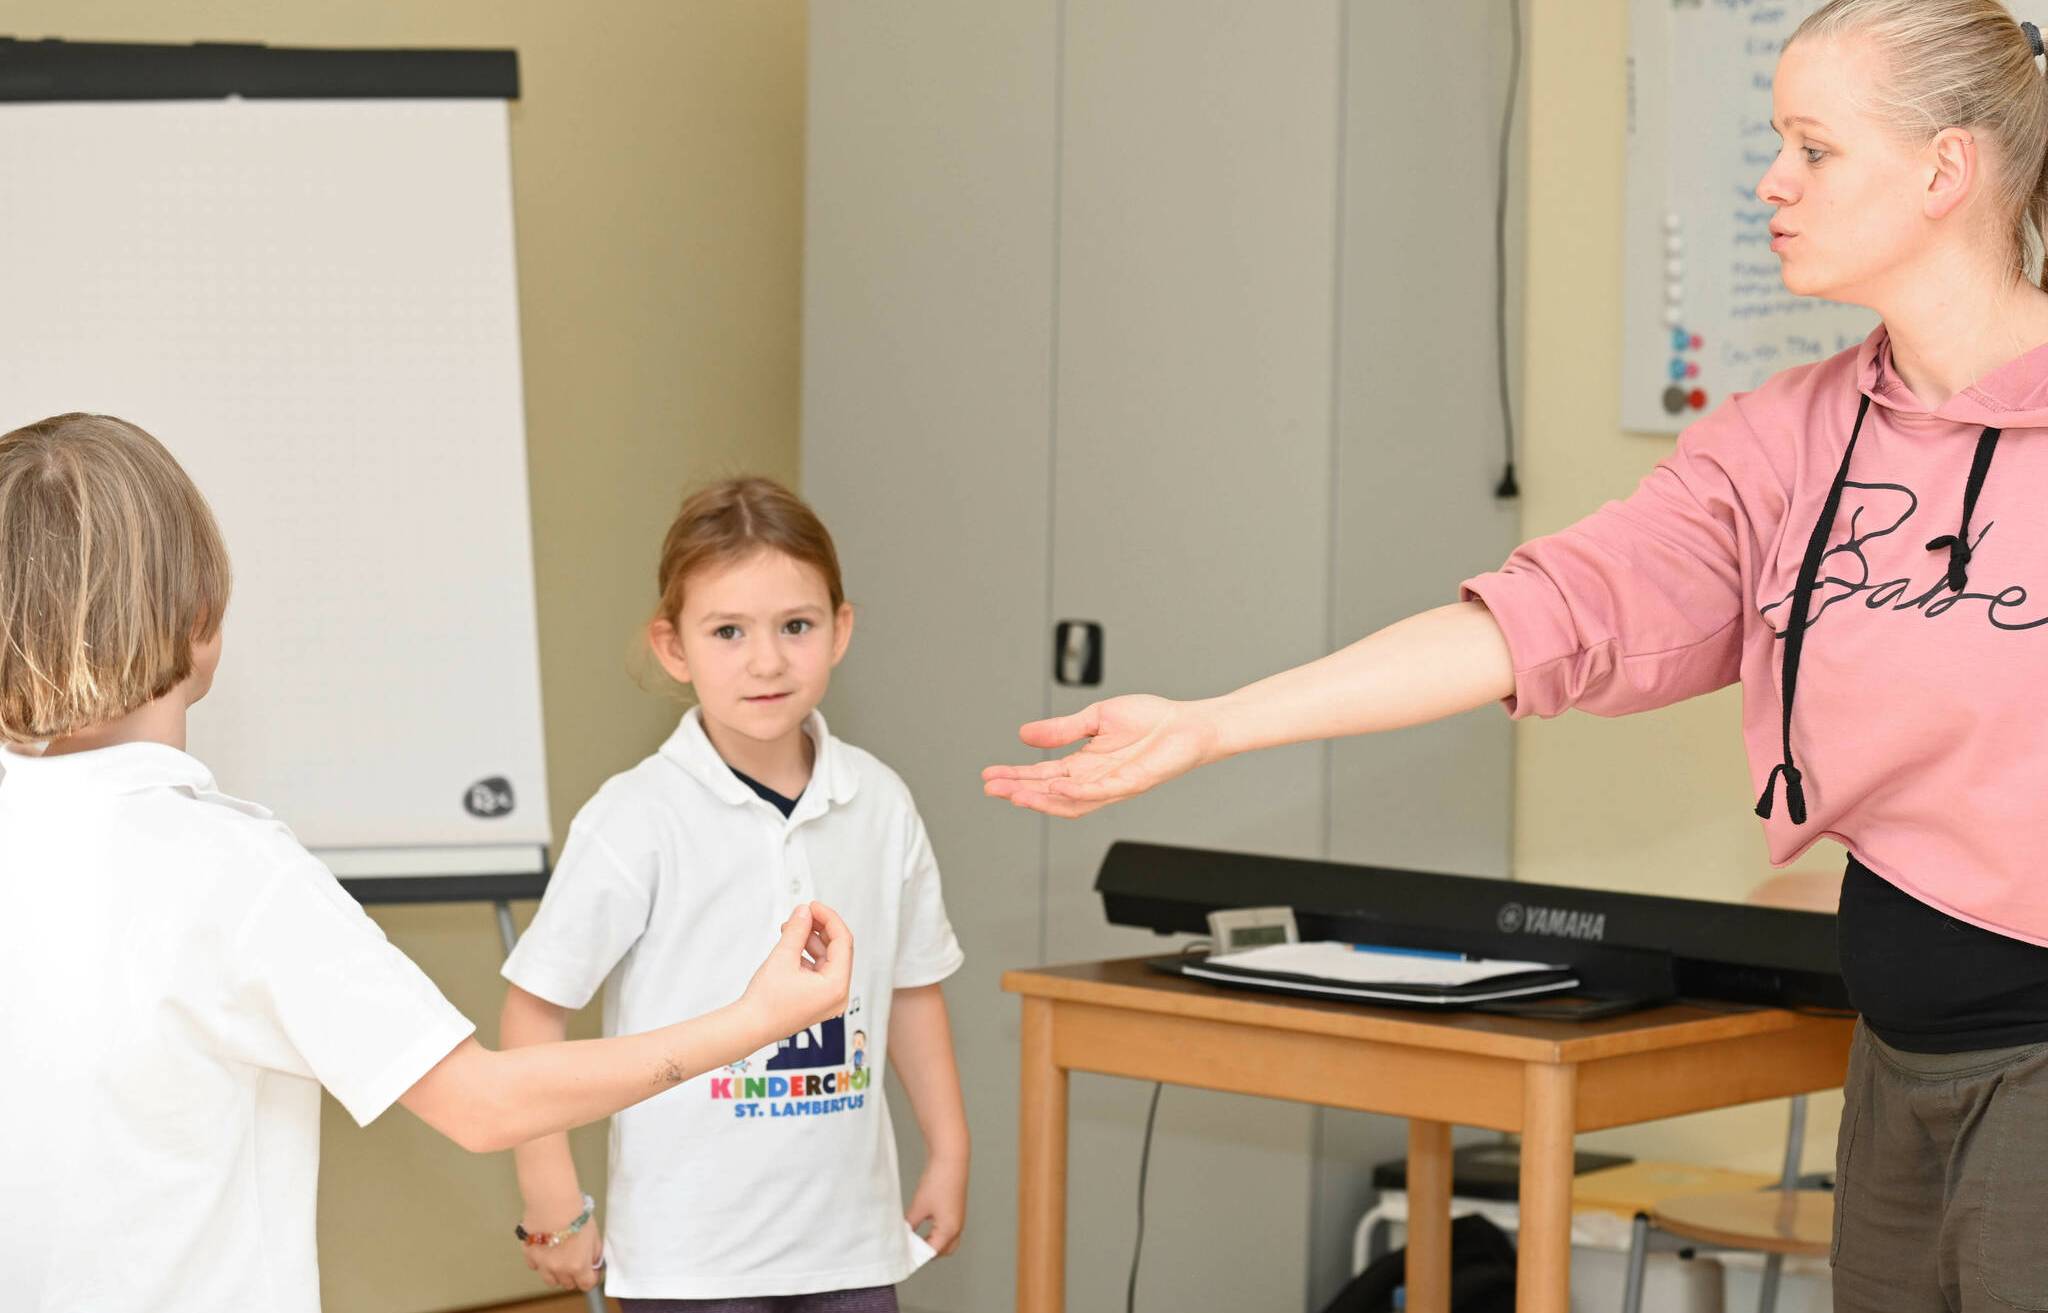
1507 487
1144 1167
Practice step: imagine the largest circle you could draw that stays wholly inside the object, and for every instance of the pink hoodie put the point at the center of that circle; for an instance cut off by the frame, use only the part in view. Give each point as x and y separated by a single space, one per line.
1914 727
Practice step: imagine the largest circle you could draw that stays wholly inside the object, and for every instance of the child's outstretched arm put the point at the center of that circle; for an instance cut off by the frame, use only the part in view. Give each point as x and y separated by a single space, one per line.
921 1049
486 1101
548 1187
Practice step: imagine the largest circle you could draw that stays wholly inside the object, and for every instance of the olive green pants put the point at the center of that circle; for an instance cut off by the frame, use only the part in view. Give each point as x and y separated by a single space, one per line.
1941 1181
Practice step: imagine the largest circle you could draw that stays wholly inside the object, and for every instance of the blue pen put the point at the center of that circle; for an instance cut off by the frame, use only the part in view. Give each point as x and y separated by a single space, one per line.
1441 955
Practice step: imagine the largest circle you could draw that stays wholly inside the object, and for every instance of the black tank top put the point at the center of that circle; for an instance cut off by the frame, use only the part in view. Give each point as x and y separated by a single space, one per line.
1928 983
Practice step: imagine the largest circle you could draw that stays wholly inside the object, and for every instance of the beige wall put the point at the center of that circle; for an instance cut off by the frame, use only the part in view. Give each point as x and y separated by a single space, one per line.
658 166
1657 803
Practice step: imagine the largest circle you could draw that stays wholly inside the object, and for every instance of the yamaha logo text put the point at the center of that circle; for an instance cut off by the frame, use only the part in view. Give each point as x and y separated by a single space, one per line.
1557 922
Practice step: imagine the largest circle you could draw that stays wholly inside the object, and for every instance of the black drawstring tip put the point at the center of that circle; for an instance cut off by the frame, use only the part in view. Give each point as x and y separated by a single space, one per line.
1507 487
1795 794
1958 560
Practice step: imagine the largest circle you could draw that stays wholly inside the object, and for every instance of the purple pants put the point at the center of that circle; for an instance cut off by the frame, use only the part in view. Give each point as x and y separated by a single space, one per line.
875 1299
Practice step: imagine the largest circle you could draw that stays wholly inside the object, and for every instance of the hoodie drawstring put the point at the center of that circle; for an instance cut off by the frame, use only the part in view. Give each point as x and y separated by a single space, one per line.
1958 545
1795 630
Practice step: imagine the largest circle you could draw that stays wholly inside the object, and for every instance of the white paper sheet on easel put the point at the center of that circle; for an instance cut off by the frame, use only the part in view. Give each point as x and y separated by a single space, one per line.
313 305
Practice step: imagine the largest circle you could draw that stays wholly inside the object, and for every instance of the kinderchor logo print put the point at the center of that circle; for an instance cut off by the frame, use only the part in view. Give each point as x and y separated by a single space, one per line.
820 1071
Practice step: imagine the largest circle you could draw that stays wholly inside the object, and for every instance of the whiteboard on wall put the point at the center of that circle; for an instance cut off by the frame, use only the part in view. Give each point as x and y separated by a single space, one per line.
1704 313
312 304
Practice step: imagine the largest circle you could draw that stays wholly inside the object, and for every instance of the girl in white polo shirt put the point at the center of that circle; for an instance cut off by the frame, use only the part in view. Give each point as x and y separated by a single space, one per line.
770 1184
181 976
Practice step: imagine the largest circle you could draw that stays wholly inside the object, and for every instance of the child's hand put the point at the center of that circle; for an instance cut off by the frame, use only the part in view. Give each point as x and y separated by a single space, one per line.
807 974
571 1265
941 1199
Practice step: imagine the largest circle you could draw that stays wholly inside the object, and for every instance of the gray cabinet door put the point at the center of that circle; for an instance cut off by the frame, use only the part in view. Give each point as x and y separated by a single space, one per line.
1191 518
927 394
1418 411
1173 316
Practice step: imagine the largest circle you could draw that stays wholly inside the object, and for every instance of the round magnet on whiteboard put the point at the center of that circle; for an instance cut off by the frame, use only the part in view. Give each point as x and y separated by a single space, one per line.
1674 268
1678 339
1674 292
1673 316
1692 370
1674 245
1697 399
1674 400
1677 370
1672 223
1696 342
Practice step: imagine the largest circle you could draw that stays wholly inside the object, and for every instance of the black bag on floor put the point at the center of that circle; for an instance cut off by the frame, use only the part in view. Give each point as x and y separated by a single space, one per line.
1482 1274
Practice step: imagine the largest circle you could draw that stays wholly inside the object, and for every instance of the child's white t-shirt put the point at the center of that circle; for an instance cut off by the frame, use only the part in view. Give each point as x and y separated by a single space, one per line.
181 978
778 1175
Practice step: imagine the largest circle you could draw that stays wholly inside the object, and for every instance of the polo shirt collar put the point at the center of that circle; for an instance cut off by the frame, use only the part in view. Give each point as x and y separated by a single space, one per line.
122 768
832 775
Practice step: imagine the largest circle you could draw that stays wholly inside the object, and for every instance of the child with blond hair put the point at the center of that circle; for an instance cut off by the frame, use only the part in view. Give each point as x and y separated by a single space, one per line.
184 977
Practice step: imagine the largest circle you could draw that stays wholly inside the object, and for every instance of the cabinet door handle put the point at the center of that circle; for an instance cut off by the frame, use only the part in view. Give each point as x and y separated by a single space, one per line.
1077 653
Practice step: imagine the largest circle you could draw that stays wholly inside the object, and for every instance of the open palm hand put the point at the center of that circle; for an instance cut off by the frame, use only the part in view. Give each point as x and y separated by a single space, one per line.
1134 743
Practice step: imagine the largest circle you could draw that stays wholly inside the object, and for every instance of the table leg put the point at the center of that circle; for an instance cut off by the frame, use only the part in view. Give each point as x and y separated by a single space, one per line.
1042 1169
1543 1265
1429 1217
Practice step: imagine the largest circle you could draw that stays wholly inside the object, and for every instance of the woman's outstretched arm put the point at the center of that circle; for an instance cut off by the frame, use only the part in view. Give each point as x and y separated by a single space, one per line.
1429 666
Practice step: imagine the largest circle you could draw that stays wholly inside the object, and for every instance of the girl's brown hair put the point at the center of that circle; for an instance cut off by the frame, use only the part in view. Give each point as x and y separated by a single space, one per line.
1961 64
730 521
111 569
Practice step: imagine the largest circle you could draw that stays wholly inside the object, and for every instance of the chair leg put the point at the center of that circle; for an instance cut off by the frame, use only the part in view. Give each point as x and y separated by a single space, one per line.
1638 1255
1795 1143
1767 1294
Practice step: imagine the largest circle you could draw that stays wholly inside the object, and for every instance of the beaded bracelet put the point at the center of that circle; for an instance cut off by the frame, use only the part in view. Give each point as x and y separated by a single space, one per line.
549 1239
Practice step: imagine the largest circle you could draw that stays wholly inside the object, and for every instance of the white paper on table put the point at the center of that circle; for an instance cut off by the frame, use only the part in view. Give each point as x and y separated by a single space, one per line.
1347 964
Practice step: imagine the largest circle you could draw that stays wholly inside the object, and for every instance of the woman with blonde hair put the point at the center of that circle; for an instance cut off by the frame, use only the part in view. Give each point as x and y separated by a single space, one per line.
1858 543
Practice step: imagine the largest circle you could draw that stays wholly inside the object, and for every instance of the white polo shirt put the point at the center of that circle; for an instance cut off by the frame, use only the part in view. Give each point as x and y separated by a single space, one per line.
777 1175
179 979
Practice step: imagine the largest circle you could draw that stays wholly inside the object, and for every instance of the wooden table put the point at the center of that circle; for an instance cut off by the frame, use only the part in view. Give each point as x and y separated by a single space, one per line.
1546 1080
